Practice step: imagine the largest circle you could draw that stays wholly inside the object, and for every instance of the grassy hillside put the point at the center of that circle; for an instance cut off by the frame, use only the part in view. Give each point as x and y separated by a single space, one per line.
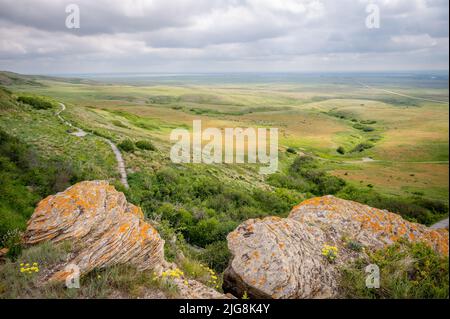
325 134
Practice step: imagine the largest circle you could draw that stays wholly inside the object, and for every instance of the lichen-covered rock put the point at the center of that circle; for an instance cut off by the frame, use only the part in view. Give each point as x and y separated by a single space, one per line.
277 258
102 226
370 226
282 258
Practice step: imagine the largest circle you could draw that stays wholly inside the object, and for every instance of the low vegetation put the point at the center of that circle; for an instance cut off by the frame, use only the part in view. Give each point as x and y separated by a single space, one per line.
39 103
193 209
113 282
145 145
407 271
26 178
127 145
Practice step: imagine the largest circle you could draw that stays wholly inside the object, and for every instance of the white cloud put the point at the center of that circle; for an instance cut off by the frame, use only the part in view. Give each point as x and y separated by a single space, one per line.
222 35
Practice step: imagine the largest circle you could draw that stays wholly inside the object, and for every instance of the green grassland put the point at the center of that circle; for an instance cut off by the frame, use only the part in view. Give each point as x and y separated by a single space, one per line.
336 137
410 135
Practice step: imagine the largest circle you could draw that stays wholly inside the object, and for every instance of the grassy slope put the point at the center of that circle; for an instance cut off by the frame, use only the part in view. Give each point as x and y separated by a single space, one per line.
406 132
187 196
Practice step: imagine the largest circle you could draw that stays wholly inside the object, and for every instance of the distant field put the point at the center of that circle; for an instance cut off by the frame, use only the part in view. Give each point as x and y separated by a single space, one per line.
407 137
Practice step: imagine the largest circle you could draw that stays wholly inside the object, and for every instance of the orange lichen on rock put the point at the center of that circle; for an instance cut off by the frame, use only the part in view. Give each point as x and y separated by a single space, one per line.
96 217
281 258
370 226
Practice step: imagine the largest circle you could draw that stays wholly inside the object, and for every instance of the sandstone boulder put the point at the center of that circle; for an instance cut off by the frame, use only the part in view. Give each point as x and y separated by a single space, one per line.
372 227
282 258
102 226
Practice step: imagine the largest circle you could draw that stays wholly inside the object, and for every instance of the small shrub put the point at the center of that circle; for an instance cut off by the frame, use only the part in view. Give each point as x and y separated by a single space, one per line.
36 102
368 129
340 150
330 253
354 245
362 147
368 122
364 128
291 150
407 271
127 146
12 240
119 124
145 145
216 256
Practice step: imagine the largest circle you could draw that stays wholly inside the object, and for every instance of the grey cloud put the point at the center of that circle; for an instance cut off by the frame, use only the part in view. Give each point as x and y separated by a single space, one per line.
214 34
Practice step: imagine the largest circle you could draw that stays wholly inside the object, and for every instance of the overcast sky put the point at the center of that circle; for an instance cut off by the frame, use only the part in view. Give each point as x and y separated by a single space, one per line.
222 35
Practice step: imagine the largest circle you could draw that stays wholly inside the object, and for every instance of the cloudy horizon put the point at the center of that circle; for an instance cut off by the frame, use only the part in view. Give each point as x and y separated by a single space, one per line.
223 36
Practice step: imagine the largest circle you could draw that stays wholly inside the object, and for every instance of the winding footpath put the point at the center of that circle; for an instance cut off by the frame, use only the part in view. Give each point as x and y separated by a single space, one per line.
80 133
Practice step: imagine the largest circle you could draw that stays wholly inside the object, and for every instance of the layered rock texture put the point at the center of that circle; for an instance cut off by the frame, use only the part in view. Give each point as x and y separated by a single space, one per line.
102 226
104 230
282 258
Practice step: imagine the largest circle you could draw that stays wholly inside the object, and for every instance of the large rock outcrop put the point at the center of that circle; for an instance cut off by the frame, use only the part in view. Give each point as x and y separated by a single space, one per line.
102 226
104 230
282 258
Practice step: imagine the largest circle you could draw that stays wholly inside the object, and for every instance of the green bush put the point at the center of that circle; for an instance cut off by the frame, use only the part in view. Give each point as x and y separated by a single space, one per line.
216 256
291 150
368 122
340 150
127 146
119 124
12 239
361 147
26 178
36 102
145 145
364 128
407 271
416 209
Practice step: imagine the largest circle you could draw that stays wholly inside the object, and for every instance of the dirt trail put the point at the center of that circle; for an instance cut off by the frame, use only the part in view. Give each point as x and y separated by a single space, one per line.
115 149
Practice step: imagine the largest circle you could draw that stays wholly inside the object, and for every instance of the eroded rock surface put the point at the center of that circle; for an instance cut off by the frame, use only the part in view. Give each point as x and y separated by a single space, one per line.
372 227
105 230
282 258
102 226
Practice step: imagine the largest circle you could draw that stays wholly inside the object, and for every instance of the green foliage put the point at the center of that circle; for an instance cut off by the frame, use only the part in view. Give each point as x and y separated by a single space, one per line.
14 284
13 240
368 122
216 256
407 271
6 100
145 145
416 209
323 183
127 145
291 150
200 206
340 150
25 178
361 147
305 176
355 246
119 124
36 102
101 283
364 128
